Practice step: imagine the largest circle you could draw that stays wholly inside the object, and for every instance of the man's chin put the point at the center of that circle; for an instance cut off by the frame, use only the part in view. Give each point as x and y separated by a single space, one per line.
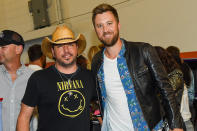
1 61
66 63
108 44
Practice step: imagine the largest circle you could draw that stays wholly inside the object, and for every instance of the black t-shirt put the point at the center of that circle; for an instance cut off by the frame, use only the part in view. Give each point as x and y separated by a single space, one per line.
62 105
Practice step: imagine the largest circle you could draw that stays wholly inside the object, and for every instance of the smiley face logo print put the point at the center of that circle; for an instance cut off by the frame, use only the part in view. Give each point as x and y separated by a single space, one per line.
71 103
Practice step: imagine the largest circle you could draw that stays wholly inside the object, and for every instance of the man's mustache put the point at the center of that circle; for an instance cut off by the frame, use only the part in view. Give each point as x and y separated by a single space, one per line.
65 54
107 33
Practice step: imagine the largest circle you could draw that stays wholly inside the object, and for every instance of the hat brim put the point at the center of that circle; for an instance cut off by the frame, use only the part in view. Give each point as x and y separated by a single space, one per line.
3 42
47 43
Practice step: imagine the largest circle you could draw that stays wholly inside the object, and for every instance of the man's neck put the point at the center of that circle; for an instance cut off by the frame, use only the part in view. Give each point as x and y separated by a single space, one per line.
36 62
66 70
12 69
113 51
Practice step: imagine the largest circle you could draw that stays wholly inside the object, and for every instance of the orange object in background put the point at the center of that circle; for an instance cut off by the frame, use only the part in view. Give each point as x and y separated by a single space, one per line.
48 64
1 99
189 55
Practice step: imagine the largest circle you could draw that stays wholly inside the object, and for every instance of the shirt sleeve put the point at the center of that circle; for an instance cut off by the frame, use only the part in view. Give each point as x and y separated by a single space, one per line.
94 90
159 74
191 90
30 97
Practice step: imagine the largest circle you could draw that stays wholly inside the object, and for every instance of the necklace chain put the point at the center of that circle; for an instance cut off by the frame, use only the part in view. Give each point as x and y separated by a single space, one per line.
61 76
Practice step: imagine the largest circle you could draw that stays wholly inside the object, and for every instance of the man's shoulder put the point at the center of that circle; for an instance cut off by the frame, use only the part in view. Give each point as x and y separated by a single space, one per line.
85 71
138 47
136 44
28 70
24 70
1 67
42 73
97 61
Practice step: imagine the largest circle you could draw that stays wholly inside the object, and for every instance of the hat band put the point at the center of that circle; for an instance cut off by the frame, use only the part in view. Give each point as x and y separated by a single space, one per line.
62 39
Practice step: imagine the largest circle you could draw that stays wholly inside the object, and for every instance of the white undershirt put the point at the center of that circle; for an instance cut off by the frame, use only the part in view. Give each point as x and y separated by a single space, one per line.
185 112
35 67
118 112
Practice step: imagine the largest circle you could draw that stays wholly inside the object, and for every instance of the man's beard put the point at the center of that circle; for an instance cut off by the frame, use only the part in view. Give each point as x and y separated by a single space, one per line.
112 42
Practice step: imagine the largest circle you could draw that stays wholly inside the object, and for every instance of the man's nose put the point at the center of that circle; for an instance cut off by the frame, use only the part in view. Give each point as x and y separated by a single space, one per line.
105 28
65 47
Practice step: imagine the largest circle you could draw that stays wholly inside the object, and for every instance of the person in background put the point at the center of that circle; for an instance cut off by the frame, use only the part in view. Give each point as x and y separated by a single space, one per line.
189 82
128 75
13 77
82 61
37 60
62 92
174 73
92 51
48 64
188 113
188 74
95 107
95 116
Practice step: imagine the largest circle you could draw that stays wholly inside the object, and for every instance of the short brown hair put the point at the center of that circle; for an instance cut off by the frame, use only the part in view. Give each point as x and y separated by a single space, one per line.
104 8
34 52
173 50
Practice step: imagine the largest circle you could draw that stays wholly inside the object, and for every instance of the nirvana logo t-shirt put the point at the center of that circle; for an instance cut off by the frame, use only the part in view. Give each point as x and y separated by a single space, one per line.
62 99
71 102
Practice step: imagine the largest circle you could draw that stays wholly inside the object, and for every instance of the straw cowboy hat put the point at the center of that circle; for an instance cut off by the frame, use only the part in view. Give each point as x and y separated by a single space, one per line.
62 35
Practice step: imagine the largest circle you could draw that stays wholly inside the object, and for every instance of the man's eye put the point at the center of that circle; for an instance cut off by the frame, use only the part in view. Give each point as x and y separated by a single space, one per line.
72 44
109 23
99 26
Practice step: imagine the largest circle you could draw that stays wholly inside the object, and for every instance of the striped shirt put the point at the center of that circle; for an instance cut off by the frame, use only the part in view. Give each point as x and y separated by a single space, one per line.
12 93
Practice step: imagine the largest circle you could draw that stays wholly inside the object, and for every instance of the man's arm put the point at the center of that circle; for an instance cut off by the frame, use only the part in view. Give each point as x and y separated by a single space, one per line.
24 118
159 74
191 91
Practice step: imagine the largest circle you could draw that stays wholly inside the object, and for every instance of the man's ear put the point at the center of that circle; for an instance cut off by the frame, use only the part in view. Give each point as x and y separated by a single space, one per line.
119 26
19 49
52 51
77 49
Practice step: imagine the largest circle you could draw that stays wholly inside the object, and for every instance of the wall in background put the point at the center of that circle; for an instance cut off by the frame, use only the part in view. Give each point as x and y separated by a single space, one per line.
158 22
2 18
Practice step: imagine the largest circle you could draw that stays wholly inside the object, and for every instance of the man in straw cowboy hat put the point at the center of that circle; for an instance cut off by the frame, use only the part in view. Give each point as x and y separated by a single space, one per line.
61 92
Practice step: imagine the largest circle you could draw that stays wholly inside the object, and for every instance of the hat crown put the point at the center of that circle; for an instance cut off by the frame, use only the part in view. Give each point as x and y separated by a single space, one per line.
62 33
10 37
